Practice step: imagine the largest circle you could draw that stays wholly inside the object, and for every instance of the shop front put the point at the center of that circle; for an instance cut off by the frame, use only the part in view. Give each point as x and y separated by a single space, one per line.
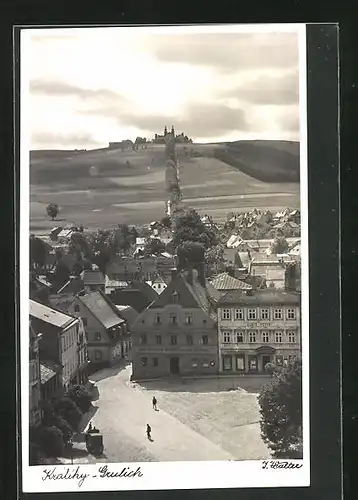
250 361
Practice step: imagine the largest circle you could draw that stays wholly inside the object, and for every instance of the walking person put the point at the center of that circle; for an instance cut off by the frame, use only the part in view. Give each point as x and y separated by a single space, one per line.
154 401
149 430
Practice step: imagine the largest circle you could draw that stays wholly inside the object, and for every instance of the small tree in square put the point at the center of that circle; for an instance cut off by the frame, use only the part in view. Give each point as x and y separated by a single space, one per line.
81 397
68 410
281 411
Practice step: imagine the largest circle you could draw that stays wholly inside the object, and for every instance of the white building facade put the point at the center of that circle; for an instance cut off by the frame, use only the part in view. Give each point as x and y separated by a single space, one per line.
258 328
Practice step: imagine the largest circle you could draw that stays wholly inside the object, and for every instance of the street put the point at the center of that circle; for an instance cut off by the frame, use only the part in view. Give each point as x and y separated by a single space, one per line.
192 423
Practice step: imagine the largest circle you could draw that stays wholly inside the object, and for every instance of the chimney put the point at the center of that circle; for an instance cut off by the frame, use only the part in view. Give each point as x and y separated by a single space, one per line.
201 274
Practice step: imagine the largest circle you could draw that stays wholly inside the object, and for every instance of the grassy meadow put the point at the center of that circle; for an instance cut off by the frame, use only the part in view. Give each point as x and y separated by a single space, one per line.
105 187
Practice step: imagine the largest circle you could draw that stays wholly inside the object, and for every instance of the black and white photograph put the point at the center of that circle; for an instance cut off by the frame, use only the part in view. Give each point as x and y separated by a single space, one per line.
164 257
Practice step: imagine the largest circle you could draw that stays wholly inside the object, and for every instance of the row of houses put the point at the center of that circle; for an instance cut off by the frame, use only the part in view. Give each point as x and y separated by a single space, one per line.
58 356
71 335
194 327
201 327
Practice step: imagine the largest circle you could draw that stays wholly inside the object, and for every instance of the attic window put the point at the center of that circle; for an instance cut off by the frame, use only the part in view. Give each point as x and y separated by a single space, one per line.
175 297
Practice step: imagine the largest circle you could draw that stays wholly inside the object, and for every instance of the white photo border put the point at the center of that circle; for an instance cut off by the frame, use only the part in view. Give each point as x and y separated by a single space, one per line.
161 475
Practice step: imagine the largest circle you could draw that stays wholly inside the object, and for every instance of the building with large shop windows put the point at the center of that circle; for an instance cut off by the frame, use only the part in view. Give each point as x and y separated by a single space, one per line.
177 334
257 328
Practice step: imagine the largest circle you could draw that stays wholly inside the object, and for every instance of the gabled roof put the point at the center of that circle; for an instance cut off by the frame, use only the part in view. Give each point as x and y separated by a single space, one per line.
93 277
50 316
190 295
226 282
265 296
99 307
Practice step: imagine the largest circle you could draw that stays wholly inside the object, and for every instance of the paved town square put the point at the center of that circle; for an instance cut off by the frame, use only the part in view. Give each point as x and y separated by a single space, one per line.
194 421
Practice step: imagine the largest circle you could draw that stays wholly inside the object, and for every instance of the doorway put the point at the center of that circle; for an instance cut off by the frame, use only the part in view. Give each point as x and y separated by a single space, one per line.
265 360
174 366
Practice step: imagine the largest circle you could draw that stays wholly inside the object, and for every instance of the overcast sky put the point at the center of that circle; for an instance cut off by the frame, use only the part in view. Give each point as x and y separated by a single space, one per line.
92 86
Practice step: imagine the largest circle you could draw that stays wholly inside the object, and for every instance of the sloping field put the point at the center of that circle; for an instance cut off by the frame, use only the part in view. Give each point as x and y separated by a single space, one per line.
268 161
105 187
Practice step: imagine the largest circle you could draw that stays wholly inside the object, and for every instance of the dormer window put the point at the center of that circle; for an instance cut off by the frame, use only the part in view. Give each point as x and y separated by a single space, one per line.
175 297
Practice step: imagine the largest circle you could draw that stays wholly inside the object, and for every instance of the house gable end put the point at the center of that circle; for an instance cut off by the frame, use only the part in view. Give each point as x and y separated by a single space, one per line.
177 287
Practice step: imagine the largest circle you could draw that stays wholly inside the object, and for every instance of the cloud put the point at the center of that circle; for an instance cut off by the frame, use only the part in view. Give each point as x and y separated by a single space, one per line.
229 51
63 140
58 88
208 86
290 121
197 120
280 90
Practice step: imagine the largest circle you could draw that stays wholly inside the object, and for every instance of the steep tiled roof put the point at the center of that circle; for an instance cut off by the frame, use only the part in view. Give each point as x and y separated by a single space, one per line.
61 301
226 282
266 296
49 315
99 307
48 370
